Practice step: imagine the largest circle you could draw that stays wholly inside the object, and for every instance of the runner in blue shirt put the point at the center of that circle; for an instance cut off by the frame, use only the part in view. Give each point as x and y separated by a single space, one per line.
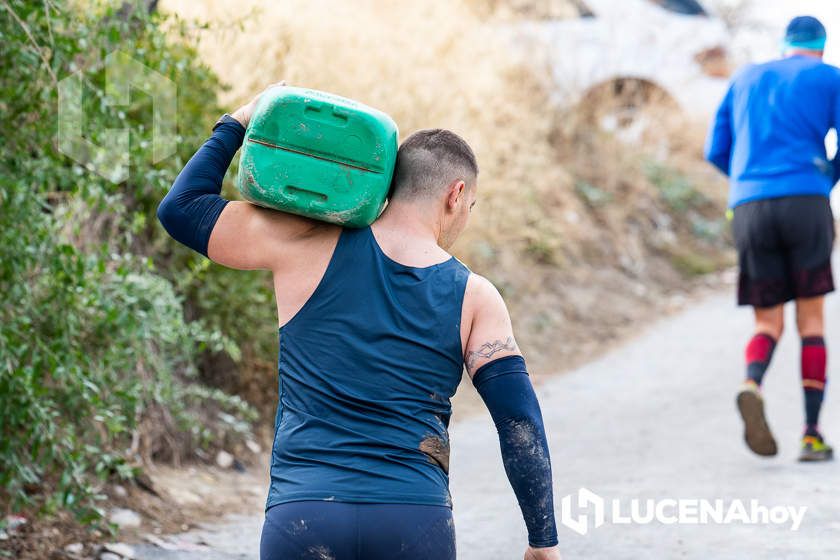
769 138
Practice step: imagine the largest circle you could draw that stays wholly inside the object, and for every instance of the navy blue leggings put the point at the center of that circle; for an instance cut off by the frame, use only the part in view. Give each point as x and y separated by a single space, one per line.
318 530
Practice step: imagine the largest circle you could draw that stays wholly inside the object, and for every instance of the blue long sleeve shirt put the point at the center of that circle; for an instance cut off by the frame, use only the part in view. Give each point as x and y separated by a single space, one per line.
193 205
769 133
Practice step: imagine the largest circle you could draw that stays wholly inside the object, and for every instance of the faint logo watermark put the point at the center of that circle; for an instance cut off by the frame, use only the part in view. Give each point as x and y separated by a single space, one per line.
593 511
110 159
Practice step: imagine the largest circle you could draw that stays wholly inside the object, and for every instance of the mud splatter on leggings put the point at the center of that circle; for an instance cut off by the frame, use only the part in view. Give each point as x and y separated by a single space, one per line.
321 530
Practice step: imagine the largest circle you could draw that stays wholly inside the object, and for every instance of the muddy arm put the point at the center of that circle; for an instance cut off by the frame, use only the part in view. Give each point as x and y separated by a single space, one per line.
506 389
498 371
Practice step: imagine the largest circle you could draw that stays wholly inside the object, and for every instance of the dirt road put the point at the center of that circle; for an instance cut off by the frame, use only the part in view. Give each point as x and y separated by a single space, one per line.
653 419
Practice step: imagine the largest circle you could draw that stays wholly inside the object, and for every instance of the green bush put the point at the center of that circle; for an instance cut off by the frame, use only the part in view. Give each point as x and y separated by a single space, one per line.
102 314
593 196
676 189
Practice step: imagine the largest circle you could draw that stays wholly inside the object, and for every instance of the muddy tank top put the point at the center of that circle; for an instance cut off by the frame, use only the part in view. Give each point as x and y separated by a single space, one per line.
367 368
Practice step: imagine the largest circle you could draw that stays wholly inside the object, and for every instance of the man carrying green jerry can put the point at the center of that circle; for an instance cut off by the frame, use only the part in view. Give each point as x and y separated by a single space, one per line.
377 322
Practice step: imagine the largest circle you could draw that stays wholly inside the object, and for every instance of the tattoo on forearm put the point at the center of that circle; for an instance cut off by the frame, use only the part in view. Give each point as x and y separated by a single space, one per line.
487 350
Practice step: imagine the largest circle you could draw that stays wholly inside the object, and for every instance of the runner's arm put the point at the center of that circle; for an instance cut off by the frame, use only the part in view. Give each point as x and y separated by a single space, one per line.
499 374
718 149
235 234
836 161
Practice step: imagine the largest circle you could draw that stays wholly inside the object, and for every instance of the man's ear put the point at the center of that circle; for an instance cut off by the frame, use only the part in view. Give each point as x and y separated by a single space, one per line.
456 191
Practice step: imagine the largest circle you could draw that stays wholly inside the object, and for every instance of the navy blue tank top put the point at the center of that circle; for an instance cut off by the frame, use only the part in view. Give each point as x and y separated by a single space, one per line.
367 368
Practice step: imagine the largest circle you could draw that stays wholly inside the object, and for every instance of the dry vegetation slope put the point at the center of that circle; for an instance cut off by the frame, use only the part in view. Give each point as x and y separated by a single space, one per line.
582 233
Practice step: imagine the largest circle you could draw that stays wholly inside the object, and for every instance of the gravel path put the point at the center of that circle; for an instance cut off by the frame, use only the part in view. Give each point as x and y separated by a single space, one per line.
653 419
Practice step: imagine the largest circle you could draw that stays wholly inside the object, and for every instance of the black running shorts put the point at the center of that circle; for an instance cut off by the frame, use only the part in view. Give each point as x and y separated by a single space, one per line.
784 249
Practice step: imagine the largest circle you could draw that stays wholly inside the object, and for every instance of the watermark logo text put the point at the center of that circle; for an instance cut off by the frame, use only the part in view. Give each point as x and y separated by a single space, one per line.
594 511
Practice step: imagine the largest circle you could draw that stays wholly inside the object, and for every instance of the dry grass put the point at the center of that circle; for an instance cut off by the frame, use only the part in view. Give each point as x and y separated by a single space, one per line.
569 225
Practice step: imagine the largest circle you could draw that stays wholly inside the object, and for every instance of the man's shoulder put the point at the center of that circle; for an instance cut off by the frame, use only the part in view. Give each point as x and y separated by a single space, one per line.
291 225
755 71
745 76
821 78
811 65
754 75
482 294
833 72
478 284
749 70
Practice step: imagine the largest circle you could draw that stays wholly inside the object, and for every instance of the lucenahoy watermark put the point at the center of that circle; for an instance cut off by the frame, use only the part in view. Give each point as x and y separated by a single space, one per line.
674 511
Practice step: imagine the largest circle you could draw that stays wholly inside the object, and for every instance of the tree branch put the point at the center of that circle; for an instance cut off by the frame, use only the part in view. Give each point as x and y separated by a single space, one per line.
33 41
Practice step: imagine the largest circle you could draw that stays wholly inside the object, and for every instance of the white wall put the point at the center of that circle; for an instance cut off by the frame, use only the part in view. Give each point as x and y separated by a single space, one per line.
774 16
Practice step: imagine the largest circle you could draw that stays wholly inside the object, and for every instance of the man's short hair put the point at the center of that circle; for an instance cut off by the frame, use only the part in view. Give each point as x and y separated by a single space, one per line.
430 160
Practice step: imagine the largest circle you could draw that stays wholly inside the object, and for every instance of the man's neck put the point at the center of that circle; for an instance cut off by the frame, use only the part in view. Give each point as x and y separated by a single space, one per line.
805 52
410 220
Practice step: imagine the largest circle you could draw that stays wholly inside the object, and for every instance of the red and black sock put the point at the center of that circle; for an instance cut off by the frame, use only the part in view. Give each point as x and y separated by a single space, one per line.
759 352
813 380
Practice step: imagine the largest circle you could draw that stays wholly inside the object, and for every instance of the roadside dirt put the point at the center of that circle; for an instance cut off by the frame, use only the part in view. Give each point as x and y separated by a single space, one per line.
183 499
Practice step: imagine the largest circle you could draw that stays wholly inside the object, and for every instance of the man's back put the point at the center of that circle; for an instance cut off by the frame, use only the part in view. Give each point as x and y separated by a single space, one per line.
771 128
367 367
376 326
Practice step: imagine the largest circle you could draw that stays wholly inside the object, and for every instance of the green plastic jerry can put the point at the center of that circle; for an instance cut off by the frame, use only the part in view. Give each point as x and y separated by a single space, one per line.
318 155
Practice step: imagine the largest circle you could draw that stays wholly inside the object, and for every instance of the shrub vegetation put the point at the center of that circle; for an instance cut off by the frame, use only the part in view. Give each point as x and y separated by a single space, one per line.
103 317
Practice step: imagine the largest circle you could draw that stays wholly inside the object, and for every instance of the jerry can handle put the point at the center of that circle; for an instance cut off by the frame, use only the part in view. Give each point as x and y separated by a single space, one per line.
338 115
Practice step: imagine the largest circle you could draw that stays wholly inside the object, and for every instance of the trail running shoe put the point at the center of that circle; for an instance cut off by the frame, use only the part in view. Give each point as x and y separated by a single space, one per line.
756 431
815 449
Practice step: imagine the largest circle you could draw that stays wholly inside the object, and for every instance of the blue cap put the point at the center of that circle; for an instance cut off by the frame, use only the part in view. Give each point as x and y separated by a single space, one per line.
805 32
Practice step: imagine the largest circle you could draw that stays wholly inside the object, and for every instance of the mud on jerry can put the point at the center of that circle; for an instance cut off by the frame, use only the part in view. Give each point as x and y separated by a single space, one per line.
318 155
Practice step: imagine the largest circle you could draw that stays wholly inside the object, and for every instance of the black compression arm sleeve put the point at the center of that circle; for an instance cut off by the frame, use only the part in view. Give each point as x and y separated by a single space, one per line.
506 389
190 210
